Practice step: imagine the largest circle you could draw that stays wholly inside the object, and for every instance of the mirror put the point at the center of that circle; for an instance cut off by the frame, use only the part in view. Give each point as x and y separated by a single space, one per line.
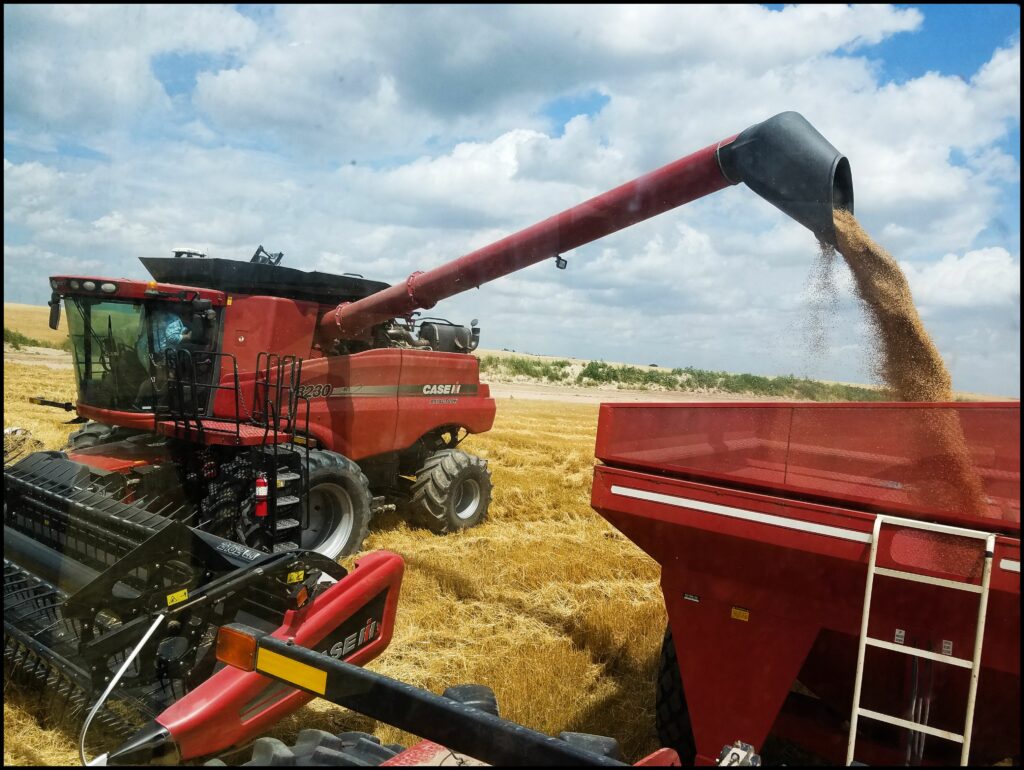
54 304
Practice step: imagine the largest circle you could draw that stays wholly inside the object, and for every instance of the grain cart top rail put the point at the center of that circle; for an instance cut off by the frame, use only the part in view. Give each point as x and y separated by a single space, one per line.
772 523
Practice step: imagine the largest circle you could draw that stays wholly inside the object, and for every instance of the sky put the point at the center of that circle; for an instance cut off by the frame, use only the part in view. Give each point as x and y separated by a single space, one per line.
383 140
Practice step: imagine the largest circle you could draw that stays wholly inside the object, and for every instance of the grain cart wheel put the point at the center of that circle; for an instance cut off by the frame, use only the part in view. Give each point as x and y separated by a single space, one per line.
452 491
96 433
672 716
337 505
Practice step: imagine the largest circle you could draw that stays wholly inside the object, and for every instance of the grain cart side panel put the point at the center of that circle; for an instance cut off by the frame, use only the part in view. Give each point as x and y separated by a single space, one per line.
761 516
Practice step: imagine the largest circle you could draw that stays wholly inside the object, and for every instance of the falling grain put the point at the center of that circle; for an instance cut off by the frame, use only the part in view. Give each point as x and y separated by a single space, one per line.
908 362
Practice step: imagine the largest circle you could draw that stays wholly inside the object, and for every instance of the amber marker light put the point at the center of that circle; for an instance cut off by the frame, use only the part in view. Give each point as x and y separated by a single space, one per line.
236 648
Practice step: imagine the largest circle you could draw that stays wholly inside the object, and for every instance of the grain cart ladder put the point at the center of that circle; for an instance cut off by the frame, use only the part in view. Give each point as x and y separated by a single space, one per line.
973 664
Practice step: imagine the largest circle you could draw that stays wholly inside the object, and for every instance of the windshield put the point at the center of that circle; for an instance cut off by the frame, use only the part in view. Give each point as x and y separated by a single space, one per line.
103 339
120 349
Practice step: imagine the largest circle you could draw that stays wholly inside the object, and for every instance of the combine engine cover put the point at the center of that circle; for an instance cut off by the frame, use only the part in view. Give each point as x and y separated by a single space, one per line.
101 594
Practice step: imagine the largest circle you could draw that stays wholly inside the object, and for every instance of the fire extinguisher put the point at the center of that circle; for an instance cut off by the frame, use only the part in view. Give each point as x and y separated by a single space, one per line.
261 495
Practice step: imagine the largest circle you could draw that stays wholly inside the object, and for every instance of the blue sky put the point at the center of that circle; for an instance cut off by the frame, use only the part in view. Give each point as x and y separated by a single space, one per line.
381 140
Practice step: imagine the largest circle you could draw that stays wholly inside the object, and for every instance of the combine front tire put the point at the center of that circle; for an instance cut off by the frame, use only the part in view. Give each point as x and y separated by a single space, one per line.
452 491
672 716
337 505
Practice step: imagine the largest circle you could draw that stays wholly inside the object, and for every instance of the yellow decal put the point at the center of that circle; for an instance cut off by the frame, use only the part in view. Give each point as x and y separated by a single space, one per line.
177 597
296 577
738 613
230 300
291 671
299 440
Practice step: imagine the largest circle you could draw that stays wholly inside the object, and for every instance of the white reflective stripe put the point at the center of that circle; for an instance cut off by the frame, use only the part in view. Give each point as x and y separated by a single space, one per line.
100 761
739 513
1009 565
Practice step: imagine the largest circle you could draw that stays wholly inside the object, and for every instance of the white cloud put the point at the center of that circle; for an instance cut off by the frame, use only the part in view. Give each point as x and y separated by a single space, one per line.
82 69
979 279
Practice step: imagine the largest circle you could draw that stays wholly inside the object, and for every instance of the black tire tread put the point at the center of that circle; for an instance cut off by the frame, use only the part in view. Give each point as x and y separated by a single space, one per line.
672 715
433 485
323 460
95 433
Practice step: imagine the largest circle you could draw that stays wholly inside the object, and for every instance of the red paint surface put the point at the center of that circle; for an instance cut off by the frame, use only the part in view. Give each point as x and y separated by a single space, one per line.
134 289
875 455
804 591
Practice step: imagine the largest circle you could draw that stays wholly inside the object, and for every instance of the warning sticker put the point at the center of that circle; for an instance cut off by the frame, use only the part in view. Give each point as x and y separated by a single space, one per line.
177 597
739 613
296 577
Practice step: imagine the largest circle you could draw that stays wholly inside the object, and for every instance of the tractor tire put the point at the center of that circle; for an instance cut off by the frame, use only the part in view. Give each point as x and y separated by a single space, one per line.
672 716
337 505
316 748
452 491
95 433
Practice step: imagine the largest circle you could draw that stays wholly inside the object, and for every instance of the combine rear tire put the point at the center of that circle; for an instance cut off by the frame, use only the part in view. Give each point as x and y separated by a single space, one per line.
338 505
672 716
451 491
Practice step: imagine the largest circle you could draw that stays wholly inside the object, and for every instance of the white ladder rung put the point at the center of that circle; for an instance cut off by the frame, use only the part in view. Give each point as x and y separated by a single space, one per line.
930 526
962 662
959 585
877 715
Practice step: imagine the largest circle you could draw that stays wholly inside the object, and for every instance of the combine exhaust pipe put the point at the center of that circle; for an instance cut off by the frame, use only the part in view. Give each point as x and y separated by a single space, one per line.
784 160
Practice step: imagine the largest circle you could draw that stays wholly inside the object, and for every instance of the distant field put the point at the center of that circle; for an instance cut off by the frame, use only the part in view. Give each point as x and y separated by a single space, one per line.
33 321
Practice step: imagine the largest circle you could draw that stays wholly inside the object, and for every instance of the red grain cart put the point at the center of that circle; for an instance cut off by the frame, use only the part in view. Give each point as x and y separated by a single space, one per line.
829 545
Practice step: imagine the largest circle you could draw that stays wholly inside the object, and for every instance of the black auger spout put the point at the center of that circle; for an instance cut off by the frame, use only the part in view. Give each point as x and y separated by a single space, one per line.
788 163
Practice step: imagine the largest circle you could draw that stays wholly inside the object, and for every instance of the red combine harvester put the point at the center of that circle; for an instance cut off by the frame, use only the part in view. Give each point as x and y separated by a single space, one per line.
248 419
826 544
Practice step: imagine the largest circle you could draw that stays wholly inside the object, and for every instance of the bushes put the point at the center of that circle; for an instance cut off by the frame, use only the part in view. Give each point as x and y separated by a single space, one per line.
550 371
688 379
17 339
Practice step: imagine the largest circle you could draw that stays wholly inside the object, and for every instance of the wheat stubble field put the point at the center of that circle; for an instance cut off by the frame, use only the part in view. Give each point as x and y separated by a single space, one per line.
545 602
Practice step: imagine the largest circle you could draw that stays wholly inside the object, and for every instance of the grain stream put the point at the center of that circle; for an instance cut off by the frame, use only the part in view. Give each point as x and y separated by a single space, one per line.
908 362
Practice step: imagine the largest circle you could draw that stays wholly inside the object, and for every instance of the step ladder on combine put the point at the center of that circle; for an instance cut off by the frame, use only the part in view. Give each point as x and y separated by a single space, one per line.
973 664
